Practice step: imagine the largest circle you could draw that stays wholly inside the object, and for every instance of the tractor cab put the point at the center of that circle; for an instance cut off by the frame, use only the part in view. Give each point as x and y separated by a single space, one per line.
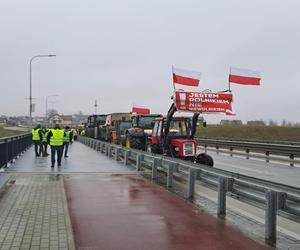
138 134
178 142
174 137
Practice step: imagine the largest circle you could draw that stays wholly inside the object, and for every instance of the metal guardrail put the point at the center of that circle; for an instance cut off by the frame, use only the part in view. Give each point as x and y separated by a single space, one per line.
297 143
275 198
12 147
268 149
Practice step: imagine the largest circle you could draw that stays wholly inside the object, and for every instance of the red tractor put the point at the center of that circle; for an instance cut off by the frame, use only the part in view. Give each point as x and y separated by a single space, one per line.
174 136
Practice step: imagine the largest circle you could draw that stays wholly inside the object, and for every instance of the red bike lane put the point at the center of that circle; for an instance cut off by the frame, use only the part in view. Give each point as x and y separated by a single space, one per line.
127 212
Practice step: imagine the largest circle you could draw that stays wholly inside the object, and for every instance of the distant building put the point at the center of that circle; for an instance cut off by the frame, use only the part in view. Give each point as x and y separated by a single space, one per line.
67 120
63 120
231 122
55 119
256 123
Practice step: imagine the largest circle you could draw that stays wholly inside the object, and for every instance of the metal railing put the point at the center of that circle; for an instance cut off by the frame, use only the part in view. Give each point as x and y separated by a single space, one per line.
288 150
275 198
297 143
12 147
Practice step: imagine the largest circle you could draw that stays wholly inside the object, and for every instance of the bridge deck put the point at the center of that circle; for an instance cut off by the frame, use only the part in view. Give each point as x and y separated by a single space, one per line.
110 206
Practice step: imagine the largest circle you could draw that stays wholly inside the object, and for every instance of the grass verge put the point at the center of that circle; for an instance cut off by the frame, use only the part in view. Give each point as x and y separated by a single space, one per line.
263 133
7 132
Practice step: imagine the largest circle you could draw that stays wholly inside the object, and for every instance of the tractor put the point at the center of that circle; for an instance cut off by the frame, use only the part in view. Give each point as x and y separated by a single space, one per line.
100 130
115 125
93 124
141 129
174 137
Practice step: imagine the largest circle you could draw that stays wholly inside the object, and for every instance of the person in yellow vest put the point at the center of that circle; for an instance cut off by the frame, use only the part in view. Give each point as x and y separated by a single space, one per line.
37 140
55 139
67 139
44 140
74 132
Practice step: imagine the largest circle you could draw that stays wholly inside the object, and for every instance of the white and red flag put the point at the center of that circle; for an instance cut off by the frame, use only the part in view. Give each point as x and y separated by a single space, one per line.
244 76
140 109
186 77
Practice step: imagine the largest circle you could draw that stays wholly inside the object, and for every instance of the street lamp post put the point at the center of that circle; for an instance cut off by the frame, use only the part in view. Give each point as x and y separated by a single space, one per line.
30 87
48 96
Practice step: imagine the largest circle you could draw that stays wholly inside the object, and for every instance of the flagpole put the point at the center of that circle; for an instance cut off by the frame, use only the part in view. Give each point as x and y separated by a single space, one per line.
229 80
173 78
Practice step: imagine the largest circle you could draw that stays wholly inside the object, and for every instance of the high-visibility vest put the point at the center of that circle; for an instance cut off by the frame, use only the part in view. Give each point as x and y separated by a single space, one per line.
82 133
35 134
45 134
67 137
57 137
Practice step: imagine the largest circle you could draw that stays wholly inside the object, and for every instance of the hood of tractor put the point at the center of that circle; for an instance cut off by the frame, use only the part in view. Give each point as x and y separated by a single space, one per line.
185 147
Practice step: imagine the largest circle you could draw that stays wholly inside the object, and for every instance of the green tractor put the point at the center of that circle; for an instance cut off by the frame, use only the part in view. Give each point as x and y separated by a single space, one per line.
101 129
142 126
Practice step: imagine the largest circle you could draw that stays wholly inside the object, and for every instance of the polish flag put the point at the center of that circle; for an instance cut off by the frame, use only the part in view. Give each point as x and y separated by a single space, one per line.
186 77
244 76
140 109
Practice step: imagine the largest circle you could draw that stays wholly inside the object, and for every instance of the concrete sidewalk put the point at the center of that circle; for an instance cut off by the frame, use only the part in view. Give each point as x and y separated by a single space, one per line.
34 214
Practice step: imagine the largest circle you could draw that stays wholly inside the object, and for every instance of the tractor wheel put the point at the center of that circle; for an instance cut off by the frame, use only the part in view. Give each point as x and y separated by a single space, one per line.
128 141
205 159
123 141
134 142
137 143
153 148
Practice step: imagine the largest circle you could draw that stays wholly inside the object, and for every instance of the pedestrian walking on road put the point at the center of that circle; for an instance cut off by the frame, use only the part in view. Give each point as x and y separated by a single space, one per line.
75 133
55 139
44 141
67 139
37 140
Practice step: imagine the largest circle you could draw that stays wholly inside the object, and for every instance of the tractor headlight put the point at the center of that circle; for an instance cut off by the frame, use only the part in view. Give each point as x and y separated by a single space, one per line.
188 149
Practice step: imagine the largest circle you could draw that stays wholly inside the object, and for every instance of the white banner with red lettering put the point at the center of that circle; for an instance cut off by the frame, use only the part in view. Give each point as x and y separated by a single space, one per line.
200 102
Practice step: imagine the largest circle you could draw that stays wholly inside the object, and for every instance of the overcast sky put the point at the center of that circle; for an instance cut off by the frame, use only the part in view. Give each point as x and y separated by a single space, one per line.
120 52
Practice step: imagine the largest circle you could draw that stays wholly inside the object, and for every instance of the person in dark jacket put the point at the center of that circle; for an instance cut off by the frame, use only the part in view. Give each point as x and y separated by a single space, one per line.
55 139
37 138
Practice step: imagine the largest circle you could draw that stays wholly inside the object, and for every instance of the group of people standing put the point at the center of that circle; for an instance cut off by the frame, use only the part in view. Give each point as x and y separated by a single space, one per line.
58 139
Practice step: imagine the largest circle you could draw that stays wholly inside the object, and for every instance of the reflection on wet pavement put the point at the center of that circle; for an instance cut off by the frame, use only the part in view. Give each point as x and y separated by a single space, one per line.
81 160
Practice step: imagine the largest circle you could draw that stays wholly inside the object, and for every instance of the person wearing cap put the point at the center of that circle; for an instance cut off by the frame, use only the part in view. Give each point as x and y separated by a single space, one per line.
55 139
67 139
37 140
